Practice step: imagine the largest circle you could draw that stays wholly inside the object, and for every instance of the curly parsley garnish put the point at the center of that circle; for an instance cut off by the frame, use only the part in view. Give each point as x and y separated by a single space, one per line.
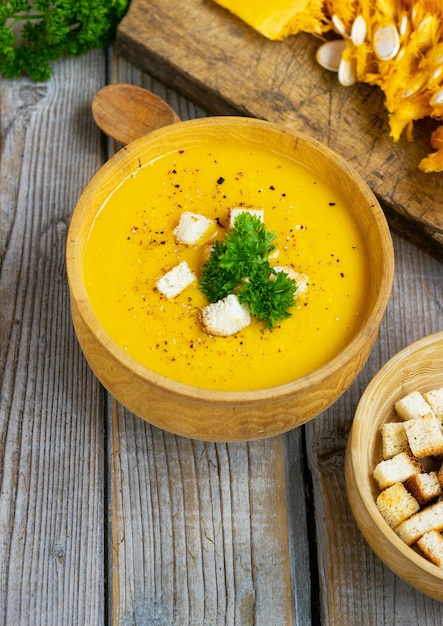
34 33
240 264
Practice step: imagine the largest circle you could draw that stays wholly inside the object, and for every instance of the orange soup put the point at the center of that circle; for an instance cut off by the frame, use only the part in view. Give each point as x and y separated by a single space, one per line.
131 245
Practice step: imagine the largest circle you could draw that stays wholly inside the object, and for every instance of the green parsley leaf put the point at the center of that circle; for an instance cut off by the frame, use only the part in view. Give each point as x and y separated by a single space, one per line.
217 282
32 34
240 264
248 246
269 296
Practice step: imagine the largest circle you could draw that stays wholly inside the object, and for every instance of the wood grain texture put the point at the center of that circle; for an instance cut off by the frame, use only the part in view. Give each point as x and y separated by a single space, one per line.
51 457
355 586
199 529
120 110
221 63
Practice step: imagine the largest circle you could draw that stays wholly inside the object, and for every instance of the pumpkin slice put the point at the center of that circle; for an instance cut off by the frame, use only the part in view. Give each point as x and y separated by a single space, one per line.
280 18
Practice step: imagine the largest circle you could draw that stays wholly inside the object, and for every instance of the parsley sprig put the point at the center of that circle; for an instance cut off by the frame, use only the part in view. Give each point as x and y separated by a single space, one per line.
34 33
240 264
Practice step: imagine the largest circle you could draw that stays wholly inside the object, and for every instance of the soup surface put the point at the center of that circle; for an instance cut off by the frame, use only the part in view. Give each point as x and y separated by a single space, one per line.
131 245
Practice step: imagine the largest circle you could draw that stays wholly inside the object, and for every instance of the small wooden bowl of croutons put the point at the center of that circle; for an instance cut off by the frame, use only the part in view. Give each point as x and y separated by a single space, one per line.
227 277
394 465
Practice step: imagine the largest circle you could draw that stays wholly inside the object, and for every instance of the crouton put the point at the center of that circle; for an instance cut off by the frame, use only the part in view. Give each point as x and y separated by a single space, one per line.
431 544
424 487
394 439
225 317
191 228
396 504
396 470
425 436
176 280
435 400
429 518
440 475
302 280
413 406
235 212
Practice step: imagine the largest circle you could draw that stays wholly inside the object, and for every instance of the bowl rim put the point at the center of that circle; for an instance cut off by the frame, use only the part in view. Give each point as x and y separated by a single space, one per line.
359 478
279 392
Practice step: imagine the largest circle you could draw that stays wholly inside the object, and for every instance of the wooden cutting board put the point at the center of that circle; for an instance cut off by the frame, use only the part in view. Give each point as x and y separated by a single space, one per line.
222 64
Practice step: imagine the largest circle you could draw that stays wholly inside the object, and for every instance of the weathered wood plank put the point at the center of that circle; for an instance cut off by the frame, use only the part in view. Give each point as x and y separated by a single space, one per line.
303 563
51 460
356 587
199 529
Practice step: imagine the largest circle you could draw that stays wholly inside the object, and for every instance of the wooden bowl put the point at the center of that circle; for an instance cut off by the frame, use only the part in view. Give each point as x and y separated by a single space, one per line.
419 367
228 415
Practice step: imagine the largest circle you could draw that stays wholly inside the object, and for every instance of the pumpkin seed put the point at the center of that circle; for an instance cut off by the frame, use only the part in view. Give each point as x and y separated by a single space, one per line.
403 25
386 42
425 32
329 54
347 74
437 98
417 85
437 73
339 26
401 54
358 31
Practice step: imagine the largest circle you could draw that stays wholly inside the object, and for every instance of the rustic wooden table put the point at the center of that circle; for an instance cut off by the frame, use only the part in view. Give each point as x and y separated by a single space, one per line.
105 519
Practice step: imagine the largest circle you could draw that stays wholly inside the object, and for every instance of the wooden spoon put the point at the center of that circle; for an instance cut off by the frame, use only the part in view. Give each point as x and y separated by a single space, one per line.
126 112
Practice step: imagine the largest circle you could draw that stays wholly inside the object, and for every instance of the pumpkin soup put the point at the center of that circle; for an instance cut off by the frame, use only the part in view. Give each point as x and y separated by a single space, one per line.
131 245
